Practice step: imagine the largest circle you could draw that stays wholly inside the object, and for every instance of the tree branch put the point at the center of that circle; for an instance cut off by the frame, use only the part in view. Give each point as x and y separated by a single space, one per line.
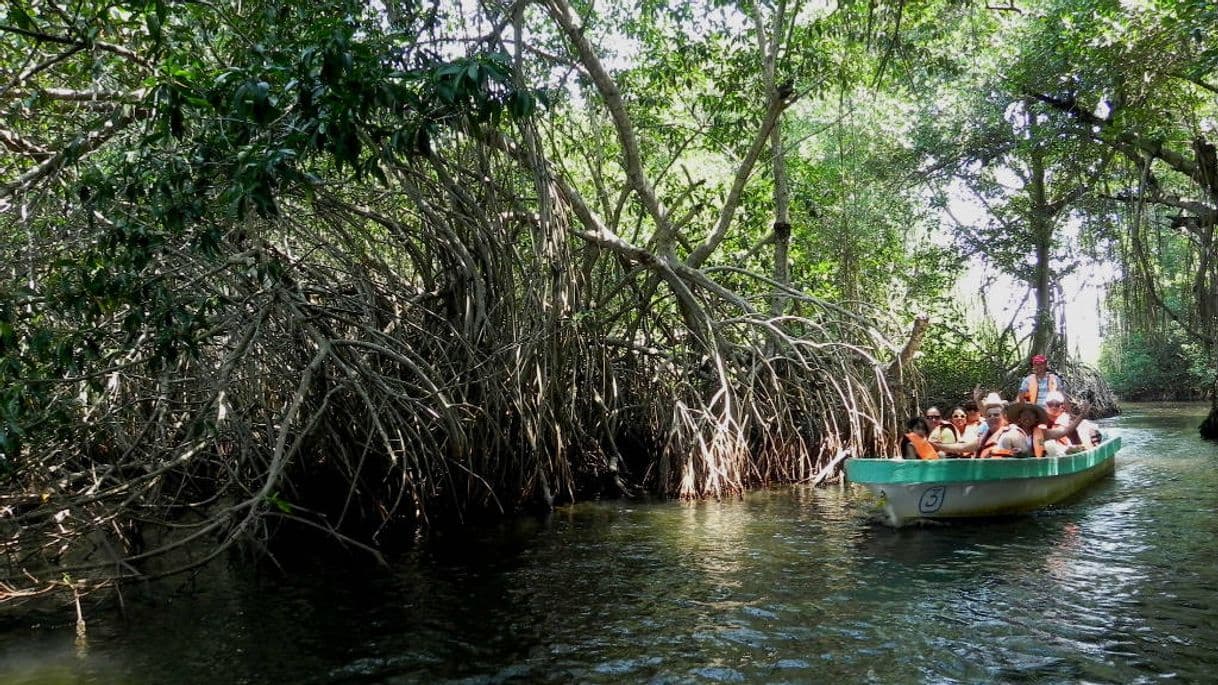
70 95
38 35
19 145
912 345
82 145
562 13
1130 143
760 140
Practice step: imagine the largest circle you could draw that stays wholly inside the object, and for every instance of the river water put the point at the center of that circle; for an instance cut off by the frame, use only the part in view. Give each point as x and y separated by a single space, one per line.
787 585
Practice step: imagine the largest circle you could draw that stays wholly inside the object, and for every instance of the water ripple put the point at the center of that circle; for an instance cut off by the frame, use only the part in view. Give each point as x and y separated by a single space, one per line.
786 585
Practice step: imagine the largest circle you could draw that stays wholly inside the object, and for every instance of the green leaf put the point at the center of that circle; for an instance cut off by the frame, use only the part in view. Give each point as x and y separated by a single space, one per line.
153 22
279 503
20 18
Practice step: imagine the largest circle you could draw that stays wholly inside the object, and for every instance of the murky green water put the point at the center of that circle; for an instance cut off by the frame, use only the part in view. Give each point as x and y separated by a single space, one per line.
792 585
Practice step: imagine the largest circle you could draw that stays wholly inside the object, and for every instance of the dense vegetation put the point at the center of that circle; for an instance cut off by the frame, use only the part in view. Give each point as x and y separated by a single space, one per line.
355 269
1142 366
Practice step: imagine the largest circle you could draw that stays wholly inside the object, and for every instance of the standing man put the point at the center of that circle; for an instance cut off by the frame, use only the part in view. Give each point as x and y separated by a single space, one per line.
1037 386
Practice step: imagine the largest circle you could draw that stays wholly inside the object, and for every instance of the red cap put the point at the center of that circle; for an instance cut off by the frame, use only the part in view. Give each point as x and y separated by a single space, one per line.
1039 359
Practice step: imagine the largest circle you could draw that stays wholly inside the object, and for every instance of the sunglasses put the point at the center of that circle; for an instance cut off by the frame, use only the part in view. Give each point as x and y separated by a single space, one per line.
959 416
1053 404
933 416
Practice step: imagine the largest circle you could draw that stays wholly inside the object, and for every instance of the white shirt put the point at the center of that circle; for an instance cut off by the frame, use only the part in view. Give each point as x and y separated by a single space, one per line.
1086 430
1014 439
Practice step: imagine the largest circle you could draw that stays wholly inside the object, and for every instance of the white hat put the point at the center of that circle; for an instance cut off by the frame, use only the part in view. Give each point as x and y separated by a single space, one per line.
1055 396
992 400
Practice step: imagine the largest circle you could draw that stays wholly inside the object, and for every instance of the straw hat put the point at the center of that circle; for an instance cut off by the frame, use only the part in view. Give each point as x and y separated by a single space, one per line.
992 400
1014 409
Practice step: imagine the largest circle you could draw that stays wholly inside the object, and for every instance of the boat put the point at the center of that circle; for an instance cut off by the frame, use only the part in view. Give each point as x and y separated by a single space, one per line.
913 490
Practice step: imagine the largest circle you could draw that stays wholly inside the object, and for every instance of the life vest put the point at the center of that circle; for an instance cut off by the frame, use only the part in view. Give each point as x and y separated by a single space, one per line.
922 446
1034 385
989 448
966 454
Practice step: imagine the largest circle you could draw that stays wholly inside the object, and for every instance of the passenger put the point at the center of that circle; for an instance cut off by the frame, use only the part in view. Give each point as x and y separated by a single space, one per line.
914 444
992 406
940 431
1055 408
960 423
1029 431
995 422
1068 424
1024 435
1038 384
1058 419
1086 435
973 422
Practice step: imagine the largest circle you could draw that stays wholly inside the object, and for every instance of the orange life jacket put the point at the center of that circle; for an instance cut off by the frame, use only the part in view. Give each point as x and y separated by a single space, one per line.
922 446
989 448
1034 386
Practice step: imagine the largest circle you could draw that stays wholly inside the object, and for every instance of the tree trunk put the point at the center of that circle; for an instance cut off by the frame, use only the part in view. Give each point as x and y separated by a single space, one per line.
1209 427
1041 218
782 191
782 226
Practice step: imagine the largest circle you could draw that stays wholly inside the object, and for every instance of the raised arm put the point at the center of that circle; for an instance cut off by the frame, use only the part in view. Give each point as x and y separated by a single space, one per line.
1055 433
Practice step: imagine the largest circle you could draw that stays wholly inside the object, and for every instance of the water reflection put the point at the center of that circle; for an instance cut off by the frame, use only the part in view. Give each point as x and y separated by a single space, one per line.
786 585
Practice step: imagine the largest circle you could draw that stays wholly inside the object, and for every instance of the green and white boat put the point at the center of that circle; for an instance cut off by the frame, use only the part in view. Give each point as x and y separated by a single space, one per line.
908 490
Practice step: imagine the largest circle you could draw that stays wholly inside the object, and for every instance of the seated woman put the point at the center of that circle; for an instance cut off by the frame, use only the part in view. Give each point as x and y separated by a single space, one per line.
914 444
941 431
959 420
983 438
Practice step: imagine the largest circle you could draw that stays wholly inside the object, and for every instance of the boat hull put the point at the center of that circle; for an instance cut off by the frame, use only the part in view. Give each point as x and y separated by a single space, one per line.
907 491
